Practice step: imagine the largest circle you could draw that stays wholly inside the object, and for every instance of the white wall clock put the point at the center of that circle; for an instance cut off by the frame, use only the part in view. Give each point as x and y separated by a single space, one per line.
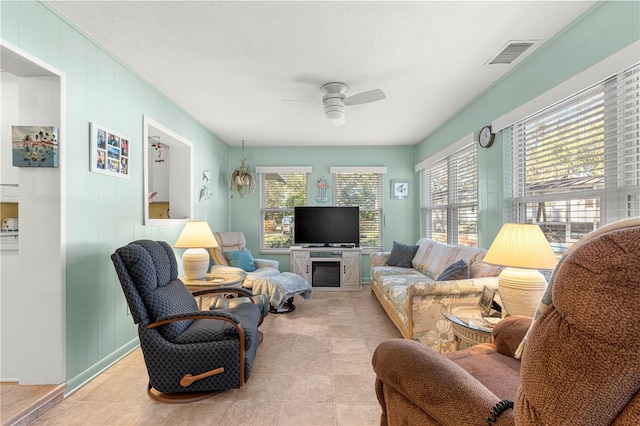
399 189
486 138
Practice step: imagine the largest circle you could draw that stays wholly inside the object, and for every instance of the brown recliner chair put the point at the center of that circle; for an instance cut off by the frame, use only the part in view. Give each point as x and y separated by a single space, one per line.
580 364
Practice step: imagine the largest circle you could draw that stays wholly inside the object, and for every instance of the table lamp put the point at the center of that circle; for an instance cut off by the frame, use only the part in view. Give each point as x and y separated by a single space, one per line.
196 237
523 249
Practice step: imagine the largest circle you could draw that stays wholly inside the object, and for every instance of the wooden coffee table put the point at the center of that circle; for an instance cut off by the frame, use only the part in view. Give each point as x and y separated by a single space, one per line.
212 281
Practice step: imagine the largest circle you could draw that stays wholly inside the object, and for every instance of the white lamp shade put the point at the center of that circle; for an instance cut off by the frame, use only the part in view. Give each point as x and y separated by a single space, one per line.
521 245
196 234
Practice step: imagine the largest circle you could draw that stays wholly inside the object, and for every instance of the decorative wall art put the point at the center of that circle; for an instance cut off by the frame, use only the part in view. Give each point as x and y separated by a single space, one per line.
205 191
399 189
323 191
109 152
34 146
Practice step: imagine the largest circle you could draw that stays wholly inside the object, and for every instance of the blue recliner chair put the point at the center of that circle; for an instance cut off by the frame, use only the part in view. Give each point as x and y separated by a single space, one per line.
188 353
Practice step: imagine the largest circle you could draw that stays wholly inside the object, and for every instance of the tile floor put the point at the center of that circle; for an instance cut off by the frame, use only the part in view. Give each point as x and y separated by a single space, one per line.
313 368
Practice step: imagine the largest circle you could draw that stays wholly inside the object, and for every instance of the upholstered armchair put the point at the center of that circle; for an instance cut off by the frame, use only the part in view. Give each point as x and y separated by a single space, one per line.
188 353
234 245
579 360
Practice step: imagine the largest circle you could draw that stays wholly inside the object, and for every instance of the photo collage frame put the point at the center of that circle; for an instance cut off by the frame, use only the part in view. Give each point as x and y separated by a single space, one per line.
110 152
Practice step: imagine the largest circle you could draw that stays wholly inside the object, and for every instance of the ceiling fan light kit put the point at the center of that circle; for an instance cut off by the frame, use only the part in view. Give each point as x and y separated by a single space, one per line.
335 100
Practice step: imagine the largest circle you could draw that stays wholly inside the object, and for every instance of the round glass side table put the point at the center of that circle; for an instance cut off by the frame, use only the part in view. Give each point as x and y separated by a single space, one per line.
471 324
212 281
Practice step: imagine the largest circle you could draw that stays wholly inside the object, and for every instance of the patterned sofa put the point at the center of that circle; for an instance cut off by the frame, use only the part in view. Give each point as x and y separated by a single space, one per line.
413 298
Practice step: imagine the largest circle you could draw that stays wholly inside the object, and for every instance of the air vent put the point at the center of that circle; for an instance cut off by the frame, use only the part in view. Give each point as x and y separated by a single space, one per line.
510 52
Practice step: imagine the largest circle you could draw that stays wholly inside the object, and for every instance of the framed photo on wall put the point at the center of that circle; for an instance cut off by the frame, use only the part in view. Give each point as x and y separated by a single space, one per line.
109 153
34 146
399 189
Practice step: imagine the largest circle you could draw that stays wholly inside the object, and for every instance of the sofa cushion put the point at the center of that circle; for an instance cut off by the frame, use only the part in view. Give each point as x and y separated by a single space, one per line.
386 276
402 255
433 257
456 271
241 259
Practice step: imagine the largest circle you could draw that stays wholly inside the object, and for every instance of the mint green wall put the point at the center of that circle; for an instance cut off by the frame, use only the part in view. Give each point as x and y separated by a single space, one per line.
401 216
103 212
603 30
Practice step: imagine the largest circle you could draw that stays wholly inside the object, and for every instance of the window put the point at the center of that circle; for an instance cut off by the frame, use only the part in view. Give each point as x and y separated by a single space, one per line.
576 165
362 187
281 189
450 198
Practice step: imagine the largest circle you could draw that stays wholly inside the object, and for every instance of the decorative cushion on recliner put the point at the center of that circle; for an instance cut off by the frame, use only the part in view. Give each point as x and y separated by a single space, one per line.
242 259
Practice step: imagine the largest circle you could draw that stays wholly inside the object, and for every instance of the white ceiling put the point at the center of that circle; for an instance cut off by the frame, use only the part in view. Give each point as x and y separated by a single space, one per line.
231 64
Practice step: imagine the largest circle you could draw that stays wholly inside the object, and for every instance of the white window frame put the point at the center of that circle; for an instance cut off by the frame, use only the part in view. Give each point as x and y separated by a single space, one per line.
265 171
447 162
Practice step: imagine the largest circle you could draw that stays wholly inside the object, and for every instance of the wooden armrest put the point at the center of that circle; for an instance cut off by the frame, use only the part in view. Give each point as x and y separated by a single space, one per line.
213 315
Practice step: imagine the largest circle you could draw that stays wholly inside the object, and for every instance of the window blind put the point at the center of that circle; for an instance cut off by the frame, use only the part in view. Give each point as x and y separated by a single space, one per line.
450 198
363 190
575 165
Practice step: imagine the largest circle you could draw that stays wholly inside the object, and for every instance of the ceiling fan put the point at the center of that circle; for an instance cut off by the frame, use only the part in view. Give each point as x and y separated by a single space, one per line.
335 100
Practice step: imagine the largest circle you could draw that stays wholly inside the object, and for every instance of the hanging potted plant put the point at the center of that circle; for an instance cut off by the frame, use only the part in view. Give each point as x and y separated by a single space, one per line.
241 177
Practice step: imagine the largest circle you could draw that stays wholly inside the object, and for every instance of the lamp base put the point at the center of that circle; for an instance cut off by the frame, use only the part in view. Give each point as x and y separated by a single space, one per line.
521 290
195 262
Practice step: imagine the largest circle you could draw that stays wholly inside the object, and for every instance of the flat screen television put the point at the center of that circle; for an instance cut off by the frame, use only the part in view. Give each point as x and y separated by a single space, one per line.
327 226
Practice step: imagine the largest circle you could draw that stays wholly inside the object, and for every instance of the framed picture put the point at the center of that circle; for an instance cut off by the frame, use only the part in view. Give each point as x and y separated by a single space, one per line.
486 299
399 188
109 152
34 146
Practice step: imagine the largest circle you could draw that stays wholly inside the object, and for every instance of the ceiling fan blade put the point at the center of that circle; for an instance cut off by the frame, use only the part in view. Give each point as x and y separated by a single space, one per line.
299 100
365 97
338 121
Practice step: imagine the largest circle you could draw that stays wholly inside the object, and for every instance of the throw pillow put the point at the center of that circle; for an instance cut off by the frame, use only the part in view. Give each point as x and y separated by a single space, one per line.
402 255
456 271
241 259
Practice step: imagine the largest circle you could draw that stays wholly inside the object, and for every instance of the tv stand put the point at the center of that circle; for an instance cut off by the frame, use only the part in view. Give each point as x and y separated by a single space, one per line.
328 268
